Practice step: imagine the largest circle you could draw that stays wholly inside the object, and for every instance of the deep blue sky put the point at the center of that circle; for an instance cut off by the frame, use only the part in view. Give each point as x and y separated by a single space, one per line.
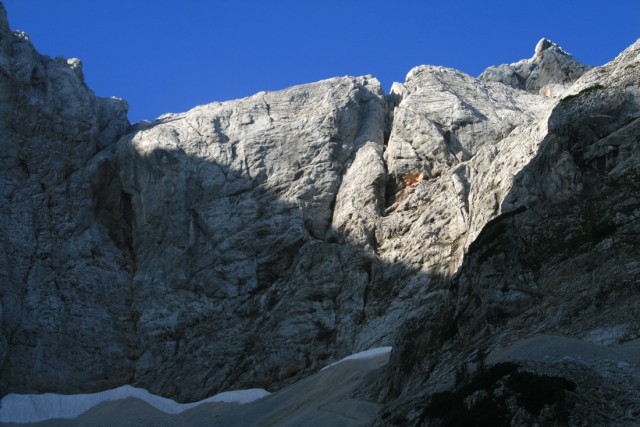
171 55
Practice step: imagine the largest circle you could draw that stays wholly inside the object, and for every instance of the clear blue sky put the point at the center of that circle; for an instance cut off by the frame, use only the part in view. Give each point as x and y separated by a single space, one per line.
171 55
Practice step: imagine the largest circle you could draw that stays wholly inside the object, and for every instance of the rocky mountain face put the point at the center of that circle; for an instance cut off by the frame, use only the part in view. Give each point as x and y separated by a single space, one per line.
549 72
539 325
65 290
486 228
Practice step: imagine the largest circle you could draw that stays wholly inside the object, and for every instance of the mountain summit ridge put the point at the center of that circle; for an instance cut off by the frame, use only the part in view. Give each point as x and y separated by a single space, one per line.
549 72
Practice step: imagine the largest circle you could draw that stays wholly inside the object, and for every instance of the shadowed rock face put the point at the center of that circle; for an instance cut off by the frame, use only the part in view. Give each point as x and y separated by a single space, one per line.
64 288
560 261
251 242
252 232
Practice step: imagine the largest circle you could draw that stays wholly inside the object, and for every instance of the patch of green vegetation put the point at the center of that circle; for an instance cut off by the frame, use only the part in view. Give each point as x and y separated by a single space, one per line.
532 391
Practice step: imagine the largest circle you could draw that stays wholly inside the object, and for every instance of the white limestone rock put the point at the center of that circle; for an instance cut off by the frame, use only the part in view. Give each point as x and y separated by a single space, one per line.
433 218
445 116
559 260
233 202
249 243
64 290
549 72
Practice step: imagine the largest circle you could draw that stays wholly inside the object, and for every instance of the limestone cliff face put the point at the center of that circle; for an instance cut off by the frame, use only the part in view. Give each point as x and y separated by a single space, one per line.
548 72
254 220
64 248
539 324
251 242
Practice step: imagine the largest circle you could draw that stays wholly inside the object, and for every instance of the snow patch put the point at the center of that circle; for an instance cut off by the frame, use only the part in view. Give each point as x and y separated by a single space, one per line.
28 408
362 355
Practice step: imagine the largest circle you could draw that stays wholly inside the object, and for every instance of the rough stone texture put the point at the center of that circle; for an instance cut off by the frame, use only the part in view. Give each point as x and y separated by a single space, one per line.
251 242
446 116
62 281
560 260
253 219
549 72
437 202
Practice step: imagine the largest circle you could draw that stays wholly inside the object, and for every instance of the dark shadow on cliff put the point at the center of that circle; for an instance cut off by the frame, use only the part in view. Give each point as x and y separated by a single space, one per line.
562 255
234 287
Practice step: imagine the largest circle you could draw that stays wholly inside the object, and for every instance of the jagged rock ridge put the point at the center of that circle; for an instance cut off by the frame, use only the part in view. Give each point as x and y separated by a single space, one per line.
549 72
559 261
248 243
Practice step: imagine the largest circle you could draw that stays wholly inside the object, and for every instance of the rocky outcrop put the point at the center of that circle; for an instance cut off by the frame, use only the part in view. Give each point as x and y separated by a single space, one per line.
446 179
445 117
559 261
64 288
253 220
249 243
549 72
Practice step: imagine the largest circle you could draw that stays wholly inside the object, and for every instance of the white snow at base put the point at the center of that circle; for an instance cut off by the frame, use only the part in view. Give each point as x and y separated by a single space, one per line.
26 408
29 408
373 352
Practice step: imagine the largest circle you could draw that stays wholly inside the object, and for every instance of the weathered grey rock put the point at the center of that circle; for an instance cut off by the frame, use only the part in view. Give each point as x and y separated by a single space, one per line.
248 243
446 116
442 201
549 72
64 292
250 219
560 260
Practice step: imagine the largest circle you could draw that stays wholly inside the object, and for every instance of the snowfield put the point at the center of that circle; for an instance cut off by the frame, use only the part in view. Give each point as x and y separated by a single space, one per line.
362 355
27 408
